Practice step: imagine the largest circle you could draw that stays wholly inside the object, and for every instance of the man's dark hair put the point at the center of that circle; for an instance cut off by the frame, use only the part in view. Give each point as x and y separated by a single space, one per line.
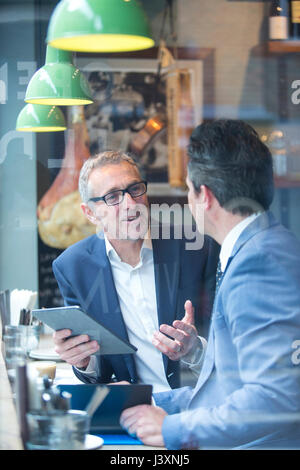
229 158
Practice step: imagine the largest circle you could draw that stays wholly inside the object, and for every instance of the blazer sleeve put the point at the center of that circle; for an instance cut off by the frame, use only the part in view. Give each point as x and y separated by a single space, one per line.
173 401
261 304
104 368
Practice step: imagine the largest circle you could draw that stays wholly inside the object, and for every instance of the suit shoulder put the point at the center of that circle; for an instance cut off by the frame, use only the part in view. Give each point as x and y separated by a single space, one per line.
274 251
74 252
276 240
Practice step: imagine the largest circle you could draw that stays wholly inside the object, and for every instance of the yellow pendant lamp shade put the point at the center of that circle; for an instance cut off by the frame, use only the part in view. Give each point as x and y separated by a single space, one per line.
40 118
58 82
99 26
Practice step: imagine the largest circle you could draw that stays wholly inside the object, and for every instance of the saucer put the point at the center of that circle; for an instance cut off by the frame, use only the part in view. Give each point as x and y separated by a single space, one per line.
93 442
44 354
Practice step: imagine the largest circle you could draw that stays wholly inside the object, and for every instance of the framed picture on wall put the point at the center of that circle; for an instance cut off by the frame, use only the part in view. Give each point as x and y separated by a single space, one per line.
130 109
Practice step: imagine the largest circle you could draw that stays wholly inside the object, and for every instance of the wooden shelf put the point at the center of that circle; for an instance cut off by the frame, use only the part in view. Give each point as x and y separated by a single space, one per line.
287 182
283 47
276 47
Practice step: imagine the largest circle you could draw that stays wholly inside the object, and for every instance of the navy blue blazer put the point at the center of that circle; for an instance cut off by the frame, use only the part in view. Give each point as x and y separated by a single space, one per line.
84 276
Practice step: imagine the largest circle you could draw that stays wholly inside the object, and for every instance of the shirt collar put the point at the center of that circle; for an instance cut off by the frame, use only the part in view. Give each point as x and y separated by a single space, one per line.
111 252
232 237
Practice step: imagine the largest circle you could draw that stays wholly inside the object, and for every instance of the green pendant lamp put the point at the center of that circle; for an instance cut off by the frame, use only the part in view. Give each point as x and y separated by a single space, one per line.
99 26
58 82
40 118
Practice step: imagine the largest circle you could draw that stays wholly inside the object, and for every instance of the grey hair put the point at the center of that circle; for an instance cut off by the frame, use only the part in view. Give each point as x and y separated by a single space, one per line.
109 157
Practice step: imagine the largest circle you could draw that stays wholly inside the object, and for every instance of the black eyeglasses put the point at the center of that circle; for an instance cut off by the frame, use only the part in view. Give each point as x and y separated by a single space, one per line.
116 197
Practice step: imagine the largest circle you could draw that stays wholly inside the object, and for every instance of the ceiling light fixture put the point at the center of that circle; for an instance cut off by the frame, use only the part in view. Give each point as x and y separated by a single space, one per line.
40 118
99 26
58 82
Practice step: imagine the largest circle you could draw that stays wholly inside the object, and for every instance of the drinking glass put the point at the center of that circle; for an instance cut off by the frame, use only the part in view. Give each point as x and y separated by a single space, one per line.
14 355
30 335
57 431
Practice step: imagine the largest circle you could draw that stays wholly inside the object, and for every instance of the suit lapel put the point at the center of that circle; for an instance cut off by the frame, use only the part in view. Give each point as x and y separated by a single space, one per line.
166 255
103 297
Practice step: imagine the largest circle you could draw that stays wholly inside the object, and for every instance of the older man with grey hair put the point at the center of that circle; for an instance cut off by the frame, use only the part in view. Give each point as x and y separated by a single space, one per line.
148 291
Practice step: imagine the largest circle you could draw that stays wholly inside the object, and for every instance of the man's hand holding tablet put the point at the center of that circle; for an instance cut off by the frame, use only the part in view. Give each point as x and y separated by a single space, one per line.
75 350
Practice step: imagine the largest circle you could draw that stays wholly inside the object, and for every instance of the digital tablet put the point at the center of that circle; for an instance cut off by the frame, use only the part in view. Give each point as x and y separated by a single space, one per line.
79 322
106 418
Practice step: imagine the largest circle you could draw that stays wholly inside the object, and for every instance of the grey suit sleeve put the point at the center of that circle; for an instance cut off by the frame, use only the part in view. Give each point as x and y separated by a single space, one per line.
173 401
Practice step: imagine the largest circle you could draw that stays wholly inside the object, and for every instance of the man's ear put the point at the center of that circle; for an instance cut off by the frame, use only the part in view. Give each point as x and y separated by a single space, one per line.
89 213
207 197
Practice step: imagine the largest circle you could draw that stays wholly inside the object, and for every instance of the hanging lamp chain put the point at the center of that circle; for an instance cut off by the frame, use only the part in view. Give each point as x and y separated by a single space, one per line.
168 14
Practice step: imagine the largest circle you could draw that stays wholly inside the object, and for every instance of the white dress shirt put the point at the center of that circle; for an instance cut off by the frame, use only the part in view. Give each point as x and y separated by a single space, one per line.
232 237
135 287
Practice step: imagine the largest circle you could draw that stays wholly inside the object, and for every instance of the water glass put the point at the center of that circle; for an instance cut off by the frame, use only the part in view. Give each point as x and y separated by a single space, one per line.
30 335
14 355
57 431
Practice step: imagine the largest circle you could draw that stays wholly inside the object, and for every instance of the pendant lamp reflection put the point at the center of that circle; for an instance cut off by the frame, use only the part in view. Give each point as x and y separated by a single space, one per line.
40 118
99 26
58 82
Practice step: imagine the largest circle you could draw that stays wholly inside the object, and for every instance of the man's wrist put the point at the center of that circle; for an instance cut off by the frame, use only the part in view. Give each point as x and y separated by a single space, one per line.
84 364
194 356
82 369
91 367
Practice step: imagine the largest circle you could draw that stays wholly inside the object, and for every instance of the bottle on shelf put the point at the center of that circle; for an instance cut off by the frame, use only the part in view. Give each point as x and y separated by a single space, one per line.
279 20
294 32
277 144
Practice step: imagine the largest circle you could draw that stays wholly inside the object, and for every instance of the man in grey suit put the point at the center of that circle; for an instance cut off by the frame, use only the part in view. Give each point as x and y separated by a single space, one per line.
248 391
